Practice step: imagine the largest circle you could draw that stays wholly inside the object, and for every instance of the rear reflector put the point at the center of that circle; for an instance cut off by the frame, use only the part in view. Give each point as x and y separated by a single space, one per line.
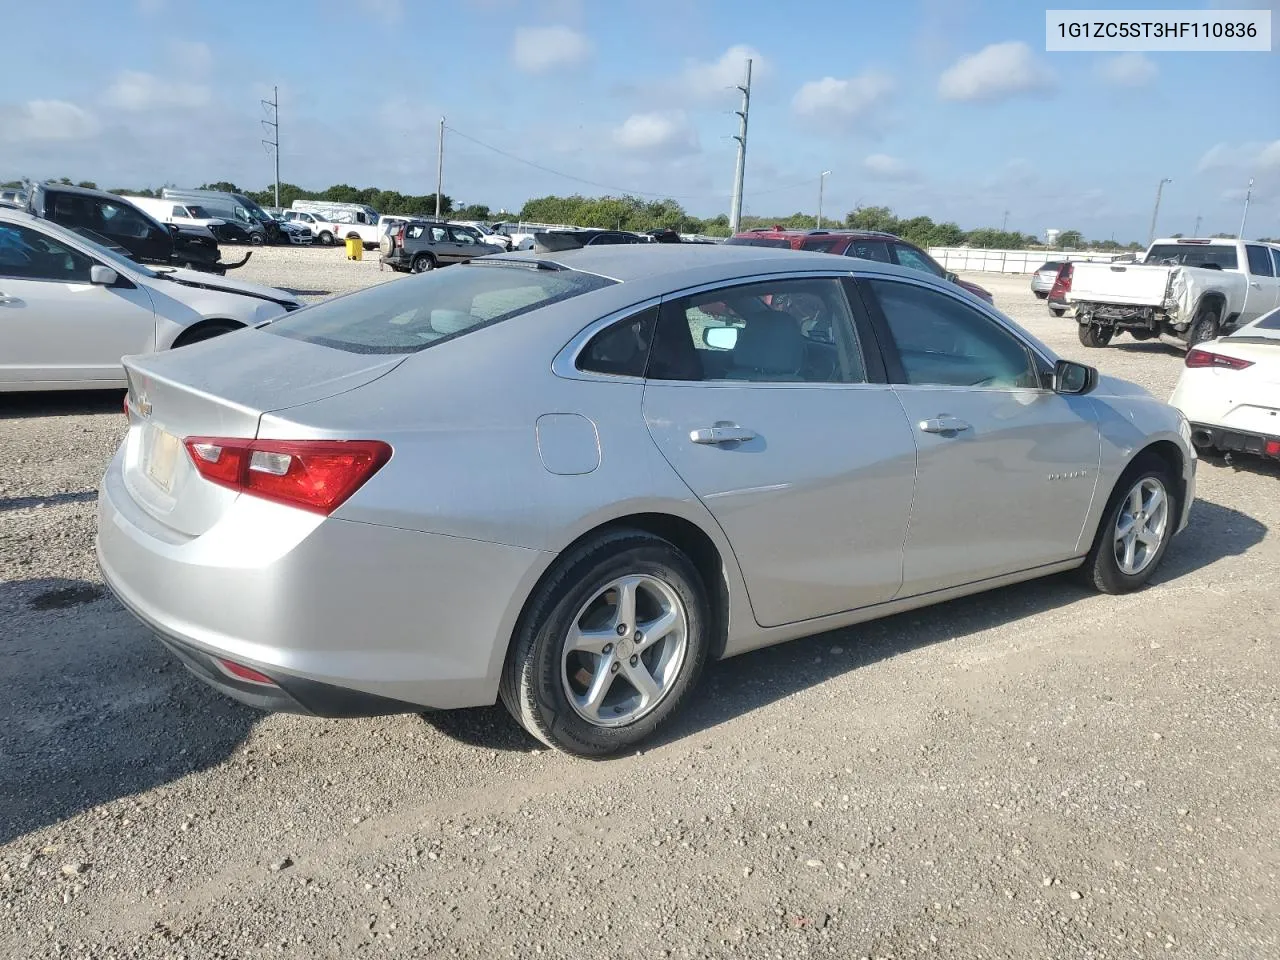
241 672
1273 448
315 475
1197 358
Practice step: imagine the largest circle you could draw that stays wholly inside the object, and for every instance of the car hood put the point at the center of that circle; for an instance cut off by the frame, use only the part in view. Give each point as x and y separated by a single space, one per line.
203 281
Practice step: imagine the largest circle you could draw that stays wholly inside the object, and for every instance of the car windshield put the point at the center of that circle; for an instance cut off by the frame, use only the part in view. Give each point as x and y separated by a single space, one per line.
758 242
1222 256
1265 327
411 315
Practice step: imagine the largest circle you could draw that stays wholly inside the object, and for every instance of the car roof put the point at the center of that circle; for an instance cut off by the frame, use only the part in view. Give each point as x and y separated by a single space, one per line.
803 232
642 261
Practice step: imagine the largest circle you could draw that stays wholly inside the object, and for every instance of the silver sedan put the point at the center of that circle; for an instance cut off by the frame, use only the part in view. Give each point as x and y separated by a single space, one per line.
1042 280
569 481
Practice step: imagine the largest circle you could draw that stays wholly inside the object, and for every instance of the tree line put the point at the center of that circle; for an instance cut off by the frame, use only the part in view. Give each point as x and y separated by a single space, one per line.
640 215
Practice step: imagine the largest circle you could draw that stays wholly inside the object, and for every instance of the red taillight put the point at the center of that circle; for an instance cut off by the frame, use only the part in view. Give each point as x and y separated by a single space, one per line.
126 404
316 475
1273 448
1197 358
400 237
241 672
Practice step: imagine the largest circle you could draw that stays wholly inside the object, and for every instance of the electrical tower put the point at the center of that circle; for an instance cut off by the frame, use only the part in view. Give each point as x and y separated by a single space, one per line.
740 172
274 126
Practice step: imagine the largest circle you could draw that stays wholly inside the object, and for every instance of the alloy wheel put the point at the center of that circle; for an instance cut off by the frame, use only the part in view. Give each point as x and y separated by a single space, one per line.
1141 526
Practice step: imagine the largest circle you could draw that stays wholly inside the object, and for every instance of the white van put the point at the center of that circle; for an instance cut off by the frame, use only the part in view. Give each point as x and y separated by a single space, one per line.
183 214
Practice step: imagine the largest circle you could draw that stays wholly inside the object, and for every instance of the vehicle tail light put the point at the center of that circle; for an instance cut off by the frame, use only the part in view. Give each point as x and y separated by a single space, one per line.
400 236
1062 282
1273 448
1197 358
315 475
241 672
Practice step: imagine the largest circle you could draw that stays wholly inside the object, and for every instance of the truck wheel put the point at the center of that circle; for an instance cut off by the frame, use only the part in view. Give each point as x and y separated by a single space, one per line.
1204 327
1057 311
1095 335
326 238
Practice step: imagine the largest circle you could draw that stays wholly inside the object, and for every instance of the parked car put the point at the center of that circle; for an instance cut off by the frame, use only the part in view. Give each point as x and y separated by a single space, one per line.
235 207
1230 390
146 239
1191 289
551 240
422 245
486 233
1042 280
570 480
864 244
322 231
298 234
70 308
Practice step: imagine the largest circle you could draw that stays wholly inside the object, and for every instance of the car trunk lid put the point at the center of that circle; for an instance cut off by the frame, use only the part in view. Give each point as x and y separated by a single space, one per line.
172 396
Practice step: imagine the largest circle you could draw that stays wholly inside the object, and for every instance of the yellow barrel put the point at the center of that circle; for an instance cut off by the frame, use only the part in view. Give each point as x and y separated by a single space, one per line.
355 248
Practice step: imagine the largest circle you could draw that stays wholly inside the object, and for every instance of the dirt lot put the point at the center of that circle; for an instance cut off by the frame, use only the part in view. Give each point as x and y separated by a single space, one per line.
1038 772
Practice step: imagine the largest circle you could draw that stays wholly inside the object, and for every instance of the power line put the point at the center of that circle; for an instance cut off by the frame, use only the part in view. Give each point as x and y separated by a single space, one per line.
605 186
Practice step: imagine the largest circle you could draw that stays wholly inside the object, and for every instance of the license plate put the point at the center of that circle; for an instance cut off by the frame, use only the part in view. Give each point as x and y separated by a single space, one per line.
162 457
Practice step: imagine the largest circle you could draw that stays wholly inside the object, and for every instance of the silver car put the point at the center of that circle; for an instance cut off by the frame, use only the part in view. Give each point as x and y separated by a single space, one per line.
569 481
1042 280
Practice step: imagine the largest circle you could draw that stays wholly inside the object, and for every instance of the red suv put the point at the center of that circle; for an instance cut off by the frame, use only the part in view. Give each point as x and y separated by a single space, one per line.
864 244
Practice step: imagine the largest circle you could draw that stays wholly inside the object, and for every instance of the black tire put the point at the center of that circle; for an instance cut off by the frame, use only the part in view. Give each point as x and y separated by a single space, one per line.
532 686
326 238
422 262
1041 294
1095 335
1101 569
1204 327
1057 311
206 331
257 239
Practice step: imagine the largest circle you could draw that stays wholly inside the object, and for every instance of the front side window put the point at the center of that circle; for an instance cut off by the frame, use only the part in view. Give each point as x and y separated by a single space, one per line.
27 254
778 331
407 317
944 342
122 221
876 250
1259 261
913 259
621 349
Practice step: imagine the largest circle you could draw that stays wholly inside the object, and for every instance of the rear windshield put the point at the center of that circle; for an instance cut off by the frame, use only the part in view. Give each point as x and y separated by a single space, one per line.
405 316
1193 255
1051 265
759 242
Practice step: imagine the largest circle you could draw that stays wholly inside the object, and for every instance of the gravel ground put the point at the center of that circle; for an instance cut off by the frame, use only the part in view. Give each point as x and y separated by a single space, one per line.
1036 772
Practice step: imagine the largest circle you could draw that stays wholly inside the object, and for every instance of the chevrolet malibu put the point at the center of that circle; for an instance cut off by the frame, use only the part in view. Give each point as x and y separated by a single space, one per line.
570 480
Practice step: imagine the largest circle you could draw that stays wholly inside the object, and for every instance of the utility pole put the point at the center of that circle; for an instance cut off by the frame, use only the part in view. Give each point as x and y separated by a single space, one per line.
1196 231
821 180
1156 212
1004 222
274 126
1245 216
440 169
740 172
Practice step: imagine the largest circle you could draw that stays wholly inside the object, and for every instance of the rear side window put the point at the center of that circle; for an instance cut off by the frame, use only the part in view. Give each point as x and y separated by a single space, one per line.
411 315
621 349
876 250
1259 261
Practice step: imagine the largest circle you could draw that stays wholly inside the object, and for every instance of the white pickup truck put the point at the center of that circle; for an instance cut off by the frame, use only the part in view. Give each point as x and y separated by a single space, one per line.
1189 289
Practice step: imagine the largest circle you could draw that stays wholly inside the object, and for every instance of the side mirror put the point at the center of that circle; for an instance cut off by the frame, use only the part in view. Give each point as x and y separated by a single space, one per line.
1073 378
102 276
952 277
720 338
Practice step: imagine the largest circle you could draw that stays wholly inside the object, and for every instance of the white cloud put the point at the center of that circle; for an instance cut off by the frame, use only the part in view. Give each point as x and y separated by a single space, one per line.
190 55
134 90
710 79
1248 157
657 133
1128 70
995 72
843 101
881 166
539 49
38 120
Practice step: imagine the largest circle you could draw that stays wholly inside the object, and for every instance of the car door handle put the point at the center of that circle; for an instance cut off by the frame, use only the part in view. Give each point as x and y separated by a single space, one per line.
943 424
1255 284
722 433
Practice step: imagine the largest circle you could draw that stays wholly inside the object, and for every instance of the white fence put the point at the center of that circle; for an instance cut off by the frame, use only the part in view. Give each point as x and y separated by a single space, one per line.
1007 261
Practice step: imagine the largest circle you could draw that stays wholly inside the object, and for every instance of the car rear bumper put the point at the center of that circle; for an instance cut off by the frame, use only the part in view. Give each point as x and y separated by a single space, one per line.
1235 441
344 617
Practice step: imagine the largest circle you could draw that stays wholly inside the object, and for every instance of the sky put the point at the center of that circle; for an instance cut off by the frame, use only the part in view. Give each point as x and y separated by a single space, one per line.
945 108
